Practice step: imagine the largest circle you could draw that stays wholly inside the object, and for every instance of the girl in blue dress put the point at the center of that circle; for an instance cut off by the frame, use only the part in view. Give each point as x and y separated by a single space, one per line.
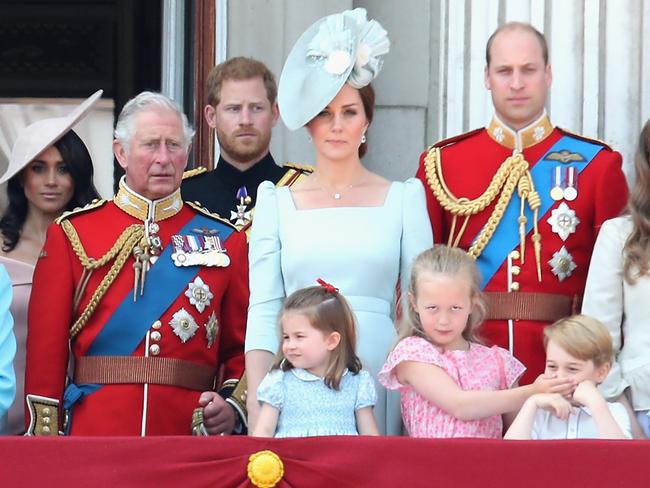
316 385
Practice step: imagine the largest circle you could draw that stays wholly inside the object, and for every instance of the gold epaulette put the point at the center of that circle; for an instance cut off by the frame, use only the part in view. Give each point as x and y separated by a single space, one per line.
294 172
305 168
452 140
190 173
96 203
200 208
584 138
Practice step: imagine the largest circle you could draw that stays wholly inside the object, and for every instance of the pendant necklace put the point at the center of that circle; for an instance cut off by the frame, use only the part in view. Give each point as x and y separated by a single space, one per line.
336 195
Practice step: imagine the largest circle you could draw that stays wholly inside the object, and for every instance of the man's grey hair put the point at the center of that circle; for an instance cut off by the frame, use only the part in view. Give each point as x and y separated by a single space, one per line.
125 127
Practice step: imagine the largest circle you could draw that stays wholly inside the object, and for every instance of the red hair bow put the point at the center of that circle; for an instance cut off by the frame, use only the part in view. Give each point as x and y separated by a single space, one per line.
328 288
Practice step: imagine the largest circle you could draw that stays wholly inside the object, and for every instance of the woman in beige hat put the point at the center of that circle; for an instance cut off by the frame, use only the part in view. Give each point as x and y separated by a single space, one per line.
50 171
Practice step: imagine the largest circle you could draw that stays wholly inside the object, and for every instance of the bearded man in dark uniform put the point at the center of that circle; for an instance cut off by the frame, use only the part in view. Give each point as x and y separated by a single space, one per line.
242 108
524 197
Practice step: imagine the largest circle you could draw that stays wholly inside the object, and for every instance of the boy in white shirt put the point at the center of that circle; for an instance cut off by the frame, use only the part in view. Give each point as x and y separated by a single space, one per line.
580 348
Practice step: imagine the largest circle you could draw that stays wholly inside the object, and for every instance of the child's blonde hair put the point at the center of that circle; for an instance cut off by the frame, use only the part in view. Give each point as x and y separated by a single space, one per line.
453 262
328 311
583 337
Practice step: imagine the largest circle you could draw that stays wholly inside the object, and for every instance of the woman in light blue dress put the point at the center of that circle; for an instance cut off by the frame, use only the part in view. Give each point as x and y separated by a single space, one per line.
343 223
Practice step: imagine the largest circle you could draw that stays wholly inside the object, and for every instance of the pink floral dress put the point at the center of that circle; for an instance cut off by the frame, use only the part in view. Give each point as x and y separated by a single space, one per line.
479 368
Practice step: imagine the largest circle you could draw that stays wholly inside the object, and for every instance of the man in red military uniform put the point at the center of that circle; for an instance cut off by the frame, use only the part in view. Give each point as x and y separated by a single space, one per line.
523 197
144 296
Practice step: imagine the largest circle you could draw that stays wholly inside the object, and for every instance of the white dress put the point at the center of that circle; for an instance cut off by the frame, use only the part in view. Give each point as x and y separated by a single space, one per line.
625 309
360 250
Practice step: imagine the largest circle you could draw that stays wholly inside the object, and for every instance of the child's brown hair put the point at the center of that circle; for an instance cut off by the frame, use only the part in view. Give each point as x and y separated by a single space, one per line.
328 311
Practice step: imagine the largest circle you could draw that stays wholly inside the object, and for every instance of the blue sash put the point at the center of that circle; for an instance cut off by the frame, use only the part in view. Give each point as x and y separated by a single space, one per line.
129 324
506 235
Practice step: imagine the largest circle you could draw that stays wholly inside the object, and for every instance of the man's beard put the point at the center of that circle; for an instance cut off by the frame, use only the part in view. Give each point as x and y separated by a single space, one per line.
241 152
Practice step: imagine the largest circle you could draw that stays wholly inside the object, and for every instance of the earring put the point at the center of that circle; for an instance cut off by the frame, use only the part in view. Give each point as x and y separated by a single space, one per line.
363 139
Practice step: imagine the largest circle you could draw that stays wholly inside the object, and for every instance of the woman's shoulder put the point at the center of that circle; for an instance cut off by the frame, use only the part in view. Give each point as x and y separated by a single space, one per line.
618 226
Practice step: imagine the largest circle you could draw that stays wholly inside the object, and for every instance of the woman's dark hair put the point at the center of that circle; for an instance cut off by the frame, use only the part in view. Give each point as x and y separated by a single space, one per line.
76 157
367 94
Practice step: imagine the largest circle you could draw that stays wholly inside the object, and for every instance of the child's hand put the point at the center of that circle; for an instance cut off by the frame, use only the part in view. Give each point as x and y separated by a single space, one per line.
554 403
551 384
587 393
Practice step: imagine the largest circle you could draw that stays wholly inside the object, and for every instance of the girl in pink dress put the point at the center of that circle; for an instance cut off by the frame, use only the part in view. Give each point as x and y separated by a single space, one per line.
450 384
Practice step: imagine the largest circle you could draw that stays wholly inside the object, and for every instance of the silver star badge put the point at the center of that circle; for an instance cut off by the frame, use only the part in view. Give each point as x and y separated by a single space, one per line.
538 133
241 216
184 325
563 221
211 329
199 294
562 264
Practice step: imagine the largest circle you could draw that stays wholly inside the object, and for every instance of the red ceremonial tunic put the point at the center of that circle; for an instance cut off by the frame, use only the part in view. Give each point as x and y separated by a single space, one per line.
131 409
469 163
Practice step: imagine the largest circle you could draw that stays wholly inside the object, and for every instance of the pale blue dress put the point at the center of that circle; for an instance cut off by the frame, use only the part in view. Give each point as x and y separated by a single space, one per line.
308 407
360 250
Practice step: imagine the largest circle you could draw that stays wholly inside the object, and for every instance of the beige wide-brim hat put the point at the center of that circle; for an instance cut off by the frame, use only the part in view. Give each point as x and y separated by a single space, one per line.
37 137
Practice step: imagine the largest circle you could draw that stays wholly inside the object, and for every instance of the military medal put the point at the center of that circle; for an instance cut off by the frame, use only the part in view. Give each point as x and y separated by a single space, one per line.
563 221
183 325
241 216
571 191
211 329
556 192
562 264
145 253
199 250
199 294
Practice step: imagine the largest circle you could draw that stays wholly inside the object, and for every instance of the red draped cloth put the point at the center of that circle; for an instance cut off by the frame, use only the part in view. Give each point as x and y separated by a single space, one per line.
318 462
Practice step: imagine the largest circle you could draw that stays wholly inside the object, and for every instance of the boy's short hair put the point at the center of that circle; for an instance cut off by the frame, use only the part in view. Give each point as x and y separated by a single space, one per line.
583 337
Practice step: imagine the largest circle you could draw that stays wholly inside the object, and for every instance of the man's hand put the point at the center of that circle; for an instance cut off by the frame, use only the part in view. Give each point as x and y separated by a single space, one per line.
218 416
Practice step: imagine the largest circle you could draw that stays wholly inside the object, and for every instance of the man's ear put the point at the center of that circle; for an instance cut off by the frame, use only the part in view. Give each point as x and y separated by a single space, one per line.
120 153
486 78
210 114
333 340
276 113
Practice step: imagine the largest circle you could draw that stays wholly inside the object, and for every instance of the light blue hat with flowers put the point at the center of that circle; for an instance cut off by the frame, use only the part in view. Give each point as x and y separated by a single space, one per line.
339 48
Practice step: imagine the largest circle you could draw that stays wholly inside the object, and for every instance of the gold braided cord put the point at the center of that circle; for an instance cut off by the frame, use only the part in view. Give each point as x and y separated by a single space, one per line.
465 206
508 177
90 263
121 251
490 226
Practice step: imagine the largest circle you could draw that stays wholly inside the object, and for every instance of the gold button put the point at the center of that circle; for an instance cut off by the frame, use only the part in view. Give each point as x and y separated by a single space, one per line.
515 255
46 410
514 286
154 349
46 429
515 270
46 420
157 324
155 335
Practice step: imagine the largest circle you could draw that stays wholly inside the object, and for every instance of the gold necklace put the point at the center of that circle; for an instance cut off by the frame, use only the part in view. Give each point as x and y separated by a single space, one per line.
336 194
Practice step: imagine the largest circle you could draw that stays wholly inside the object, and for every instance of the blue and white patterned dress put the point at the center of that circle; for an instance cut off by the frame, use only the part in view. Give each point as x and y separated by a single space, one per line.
308 407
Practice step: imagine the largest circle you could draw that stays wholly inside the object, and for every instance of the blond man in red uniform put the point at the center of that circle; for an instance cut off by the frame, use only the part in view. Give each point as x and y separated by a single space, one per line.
144 296
524 197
